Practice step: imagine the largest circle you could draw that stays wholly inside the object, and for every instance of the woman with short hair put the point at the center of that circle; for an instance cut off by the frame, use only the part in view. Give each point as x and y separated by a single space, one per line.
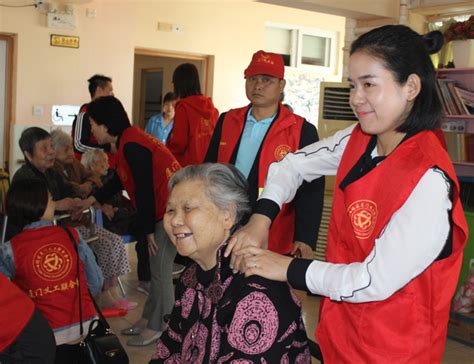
219 315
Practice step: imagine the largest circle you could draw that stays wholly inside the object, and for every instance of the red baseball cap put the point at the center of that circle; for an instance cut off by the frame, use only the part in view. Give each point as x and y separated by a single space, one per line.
264 63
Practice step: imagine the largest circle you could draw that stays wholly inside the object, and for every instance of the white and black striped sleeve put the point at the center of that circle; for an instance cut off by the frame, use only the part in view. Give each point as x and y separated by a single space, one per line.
411 241
285 177
83 133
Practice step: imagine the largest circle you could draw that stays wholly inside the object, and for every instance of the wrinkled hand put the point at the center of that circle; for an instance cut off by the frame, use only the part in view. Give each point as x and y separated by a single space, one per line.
108 210
85 189
152 247
255 233
303 249
264 263
76 209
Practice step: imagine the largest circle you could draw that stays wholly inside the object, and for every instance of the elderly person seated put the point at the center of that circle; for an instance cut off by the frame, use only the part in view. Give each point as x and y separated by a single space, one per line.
218 315
38 149
119 213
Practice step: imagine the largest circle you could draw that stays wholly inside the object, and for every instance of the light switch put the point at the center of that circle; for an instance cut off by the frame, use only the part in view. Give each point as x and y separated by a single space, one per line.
38 110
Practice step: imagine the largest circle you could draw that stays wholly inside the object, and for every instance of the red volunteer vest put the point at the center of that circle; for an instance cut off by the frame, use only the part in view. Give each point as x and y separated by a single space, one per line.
283 137
16 311
410 326
46 269
164 166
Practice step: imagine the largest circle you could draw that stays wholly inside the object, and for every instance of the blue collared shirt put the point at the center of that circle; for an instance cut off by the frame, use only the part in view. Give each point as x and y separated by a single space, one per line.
156 127
252 137
94 276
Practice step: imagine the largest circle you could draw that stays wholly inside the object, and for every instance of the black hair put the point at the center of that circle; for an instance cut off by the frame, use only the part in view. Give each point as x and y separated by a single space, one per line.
186 80
109 111
30 136
170 96
405 52
97 81
26 202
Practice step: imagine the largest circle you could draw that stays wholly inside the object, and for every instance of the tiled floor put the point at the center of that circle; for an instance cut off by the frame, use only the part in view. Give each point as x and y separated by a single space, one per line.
455 353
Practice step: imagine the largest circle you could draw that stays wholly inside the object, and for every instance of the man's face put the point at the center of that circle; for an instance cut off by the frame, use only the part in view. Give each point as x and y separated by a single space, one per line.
107 90
43 155
263 90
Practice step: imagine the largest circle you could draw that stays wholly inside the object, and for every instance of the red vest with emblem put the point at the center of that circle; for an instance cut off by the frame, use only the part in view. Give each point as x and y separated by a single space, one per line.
164 166
409 326
282 137
16 311
46 269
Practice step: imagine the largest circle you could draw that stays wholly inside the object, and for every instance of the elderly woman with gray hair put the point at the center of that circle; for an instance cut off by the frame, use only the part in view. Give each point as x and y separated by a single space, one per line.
220 316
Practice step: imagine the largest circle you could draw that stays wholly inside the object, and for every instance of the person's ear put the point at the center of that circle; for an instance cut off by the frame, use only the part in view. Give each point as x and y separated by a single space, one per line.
282 84
28 156
413 86
228 218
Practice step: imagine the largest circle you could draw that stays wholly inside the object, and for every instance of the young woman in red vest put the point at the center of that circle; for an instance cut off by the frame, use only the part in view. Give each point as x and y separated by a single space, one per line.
42 262
143 168
194 120
25 335
397 227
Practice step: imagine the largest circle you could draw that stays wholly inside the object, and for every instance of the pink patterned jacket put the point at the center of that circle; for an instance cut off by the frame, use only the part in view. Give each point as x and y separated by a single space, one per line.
220 317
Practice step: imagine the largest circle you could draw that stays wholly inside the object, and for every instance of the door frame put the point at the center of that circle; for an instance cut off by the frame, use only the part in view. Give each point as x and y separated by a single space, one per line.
9 98
206 82
141 113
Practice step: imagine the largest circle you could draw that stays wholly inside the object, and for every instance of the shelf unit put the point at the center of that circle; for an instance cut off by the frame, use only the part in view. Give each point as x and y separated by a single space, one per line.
457 124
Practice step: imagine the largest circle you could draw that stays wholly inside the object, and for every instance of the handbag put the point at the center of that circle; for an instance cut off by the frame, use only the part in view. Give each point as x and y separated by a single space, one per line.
100 345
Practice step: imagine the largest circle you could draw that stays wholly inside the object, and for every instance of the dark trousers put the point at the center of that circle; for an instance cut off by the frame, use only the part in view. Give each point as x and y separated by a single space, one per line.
35 344
67 354
143 264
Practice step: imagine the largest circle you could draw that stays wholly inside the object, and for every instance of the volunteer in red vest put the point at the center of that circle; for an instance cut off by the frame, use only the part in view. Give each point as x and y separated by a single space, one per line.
83 140
195 117
263 132
144 166
42 261
25 336
397 228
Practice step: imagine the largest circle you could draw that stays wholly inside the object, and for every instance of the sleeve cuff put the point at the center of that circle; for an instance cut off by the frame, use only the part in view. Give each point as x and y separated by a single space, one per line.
267 207
296 274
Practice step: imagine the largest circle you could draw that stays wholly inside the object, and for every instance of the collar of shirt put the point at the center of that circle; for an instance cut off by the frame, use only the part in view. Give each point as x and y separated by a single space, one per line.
38 224
251 118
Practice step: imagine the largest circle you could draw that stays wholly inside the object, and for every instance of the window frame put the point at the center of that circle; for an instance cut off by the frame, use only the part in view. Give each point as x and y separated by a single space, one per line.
296 51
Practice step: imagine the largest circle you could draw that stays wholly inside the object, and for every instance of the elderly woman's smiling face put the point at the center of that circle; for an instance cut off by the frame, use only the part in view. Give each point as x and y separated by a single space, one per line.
195 225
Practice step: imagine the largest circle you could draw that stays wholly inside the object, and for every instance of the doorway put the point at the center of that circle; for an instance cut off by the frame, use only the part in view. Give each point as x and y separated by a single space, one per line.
153 72
152 92
6 95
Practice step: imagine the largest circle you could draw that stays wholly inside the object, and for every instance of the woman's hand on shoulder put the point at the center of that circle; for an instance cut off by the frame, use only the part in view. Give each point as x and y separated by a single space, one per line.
255 233
264 263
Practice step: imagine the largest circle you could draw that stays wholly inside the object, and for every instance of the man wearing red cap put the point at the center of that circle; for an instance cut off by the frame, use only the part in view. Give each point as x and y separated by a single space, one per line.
261 133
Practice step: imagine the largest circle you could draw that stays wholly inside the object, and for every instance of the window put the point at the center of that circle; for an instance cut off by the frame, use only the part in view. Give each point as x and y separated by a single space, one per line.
303 47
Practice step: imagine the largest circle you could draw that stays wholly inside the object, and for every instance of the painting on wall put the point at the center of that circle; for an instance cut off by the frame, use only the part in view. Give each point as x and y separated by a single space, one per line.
302 92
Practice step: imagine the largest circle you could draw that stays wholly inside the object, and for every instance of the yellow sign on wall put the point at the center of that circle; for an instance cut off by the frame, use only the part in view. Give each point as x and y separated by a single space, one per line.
68 41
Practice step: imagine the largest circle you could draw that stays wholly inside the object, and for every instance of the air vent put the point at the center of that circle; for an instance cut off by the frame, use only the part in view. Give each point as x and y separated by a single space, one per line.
336 104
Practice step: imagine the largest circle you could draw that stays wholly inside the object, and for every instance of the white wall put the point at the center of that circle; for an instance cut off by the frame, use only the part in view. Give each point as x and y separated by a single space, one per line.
231 31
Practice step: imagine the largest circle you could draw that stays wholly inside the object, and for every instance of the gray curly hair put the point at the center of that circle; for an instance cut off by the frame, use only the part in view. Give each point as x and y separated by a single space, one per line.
226 186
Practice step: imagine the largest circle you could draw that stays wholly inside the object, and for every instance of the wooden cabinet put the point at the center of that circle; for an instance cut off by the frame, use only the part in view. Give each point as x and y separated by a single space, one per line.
458 128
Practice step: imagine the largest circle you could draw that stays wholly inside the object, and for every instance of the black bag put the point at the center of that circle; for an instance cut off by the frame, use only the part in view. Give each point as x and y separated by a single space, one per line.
100 345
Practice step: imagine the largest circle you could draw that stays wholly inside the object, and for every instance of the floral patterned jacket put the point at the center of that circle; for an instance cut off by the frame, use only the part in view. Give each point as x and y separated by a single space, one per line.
221 317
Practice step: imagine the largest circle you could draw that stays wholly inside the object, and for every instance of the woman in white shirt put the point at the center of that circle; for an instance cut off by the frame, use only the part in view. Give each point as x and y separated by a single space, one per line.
397 227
